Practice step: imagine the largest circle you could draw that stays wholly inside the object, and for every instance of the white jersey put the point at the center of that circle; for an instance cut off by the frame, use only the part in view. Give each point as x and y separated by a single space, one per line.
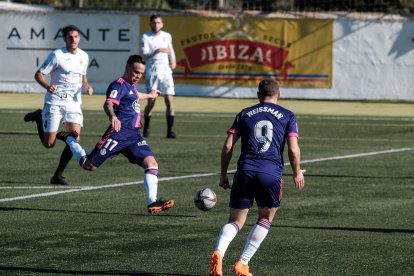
66 72
160 63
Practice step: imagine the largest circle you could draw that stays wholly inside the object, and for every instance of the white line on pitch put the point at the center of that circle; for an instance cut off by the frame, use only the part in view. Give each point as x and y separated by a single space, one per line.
356 155
90 188
51 187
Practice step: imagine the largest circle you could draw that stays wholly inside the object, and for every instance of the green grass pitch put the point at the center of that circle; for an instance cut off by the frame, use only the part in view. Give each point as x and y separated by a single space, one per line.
354 217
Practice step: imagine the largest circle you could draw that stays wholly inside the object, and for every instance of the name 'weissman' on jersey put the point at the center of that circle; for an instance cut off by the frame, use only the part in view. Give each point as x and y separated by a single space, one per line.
66 72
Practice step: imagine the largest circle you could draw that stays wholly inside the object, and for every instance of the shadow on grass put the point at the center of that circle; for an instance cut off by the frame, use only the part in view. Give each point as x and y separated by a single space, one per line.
354 176
77 272
8 209
356 229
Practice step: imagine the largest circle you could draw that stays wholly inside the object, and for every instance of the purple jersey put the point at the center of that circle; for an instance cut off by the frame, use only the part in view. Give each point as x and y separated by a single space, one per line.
125 98
263 129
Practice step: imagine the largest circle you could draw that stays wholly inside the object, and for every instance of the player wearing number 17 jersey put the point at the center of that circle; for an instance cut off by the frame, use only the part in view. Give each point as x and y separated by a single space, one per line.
263 129
123 134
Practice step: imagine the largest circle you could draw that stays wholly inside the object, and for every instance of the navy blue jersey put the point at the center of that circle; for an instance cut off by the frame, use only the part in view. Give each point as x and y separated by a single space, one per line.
263 129
126 103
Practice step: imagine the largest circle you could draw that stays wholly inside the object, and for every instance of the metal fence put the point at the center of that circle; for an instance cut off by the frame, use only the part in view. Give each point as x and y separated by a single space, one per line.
361 6
384 6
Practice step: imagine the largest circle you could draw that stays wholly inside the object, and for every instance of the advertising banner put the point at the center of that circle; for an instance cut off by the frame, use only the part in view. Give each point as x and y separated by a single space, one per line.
29 38
241 51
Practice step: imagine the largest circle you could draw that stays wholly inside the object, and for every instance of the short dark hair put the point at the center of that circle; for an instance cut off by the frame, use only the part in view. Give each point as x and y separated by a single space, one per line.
268 87
154 16
135 58
68 29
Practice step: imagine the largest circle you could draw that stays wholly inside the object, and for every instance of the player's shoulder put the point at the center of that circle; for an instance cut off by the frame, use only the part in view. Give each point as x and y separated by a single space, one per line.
285 110
81 52
59 51
147 34
116 87
119 82
166 34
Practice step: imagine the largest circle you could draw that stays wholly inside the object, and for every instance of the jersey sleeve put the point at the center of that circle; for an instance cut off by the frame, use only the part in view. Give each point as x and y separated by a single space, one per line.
114 93
85 69
235 127
292 127
145 49
49 64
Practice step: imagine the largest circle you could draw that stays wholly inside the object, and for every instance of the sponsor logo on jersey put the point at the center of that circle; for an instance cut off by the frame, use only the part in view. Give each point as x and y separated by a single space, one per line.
142 143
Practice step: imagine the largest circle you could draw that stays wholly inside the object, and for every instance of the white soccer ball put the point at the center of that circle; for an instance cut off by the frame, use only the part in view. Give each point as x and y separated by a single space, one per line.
205 199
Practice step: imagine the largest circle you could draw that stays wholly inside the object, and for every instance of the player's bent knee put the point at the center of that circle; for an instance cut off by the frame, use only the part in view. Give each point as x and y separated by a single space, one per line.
49 145
86 164
89 168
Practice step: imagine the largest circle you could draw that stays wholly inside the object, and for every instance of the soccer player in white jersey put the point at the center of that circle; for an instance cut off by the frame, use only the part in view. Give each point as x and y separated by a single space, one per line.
158 51
67 68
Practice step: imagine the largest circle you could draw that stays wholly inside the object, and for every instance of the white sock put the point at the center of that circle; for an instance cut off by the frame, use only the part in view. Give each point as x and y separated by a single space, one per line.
227 234
151 184
255 238
75 147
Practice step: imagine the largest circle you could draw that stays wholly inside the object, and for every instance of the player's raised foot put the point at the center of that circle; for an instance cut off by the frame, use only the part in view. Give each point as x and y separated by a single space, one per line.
216 265
33 116
160 206
241 269
63 135
58 180
171 135
86 164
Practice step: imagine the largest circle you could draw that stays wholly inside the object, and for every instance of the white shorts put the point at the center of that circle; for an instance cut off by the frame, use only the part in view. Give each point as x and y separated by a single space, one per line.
164 83
53 115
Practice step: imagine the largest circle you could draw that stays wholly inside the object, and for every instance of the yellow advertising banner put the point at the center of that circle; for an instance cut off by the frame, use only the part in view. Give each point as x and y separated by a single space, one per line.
241 51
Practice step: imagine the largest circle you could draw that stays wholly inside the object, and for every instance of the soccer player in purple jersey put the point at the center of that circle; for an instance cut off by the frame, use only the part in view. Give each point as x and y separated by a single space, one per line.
123 134
263 128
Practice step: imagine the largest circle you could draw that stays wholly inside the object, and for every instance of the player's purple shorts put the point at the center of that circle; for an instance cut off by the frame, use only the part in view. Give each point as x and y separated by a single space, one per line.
127 142
250 185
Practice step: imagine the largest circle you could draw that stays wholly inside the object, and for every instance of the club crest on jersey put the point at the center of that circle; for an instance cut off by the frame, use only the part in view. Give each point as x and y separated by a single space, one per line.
113 94
103 151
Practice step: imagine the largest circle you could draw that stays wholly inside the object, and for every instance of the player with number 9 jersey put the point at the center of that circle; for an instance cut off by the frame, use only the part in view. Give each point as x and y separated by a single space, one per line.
262 129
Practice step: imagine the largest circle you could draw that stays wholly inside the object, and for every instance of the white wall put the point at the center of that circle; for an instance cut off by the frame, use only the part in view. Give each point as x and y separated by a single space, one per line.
372 59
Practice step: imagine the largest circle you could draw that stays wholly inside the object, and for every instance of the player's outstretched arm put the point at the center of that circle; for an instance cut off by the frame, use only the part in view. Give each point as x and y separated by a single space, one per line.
152 95
294 159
